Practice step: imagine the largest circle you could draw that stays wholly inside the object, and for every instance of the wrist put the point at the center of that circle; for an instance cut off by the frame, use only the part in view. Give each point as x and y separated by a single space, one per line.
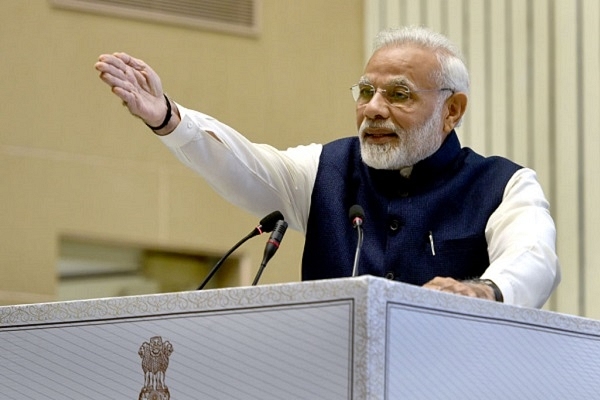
496 293
166 119
170 121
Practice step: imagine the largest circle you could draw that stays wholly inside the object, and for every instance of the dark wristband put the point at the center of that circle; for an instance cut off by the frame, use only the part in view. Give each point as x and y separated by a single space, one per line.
167 117
497 292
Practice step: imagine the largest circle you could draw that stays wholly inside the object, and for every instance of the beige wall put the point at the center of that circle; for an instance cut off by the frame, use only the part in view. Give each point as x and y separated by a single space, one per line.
74 162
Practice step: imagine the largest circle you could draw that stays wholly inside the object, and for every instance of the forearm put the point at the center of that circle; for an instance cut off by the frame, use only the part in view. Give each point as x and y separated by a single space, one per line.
255 177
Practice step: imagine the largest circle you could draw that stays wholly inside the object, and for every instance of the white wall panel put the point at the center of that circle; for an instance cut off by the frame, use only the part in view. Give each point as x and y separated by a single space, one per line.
435 13
542 129
590 108
518 93
413 14
541 90
566 201
474 50
498 105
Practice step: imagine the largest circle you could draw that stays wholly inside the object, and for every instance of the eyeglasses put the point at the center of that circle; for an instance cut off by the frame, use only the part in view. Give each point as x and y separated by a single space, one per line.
395 95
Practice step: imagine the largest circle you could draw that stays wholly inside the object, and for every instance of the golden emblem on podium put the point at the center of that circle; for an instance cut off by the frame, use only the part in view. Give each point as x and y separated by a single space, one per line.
155 361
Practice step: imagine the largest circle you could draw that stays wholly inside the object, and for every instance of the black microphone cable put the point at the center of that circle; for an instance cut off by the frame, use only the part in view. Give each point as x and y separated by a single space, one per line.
267 224
357 216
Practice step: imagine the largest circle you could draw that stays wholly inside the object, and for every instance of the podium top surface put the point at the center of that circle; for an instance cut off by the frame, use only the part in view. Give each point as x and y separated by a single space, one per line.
372 291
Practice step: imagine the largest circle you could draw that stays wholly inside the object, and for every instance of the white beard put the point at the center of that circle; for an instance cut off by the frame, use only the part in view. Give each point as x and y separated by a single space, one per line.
414 145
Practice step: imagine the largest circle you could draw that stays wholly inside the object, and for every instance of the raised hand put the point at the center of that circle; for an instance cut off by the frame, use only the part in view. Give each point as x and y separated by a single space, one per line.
136 84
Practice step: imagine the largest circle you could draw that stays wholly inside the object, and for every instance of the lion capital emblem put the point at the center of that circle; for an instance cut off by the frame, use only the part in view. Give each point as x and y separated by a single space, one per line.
155 361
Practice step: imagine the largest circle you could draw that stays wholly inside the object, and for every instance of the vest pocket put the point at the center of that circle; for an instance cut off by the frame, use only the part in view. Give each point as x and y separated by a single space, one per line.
459 258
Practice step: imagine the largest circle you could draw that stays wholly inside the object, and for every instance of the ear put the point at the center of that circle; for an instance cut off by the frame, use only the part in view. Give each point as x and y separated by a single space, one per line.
455 107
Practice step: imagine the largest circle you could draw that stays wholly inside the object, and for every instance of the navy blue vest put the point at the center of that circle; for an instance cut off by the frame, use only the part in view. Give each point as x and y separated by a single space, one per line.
450 196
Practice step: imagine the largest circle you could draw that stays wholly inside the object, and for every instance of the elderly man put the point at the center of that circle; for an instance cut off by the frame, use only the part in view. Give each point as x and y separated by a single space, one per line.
436 214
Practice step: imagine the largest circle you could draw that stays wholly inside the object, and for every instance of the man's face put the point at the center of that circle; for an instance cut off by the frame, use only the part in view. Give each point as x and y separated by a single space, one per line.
397 131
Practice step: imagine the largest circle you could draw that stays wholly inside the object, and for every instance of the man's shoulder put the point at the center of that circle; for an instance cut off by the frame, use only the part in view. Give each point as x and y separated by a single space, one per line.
489 169
472 156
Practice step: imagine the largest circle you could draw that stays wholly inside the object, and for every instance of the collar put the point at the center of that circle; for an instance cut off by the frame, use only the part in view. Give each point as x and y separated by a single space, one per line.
439 161
425 171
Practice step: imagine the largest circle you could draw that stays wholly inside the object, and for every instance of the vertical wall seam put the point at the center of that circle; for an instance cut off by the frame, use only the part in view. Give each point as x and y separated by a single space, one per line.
402 10
510 115
580 107
466 45
529 89
553 190
382 14
444 19
487 79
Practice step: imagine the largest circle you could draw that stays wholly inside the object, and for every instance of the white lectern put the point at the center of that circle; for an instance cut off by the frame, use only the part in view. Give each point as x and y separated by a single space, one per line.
355 338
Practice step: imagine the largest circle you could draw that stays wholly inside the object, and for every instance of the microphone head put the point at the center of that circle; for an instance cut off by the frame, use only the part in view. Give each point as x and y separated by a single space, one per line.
267 224
274 241
357 215
279 230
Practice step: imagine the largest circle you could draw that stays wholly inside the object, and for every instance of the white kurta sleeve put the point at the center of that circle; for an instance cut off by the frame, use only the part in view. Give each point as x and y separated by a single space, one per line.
255 177
521 238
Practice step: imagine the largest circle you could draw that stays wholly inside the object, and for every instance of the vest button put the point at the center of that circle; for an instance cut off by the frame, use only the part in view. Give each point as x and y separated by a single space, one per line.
389 275
394 225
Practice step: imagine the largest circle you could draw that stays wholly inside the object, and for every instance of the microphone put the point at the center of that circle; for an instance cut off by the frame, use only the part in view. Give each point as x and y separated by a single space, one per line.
357 215
267 224
271 247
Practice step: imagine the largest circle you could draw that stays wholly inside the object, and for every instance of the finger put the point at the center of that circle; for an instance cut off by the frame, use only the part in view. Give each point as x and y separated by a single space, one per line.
129 76
439 282
145 76
113 81
112 60
142 81
449 285
132 62
127 98
125 80
110 71
463 290
431 285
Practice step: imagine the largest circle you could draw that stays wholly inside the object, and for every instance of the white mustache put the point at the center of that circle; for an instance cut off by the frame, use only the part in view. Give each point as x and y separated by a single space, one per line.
377 124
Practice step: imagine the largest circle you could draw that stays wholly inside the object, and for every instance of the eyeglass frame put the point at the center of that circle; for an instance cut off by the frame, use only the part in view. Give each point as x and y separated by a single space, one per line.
376 90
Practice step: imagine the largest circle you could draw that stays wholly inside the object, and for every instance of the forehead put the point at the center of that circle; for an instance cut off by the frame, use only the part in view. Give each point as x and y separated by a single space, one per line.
407 63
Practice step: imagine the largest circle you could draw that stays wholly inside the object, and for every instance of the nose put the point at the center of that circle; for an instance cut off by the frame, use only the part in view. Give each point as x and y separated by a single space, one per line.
377 107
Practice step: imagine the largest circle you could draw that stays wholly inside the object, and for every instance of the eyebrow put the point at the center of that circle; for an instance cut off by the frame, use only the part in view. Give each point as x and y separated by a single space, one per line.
393 82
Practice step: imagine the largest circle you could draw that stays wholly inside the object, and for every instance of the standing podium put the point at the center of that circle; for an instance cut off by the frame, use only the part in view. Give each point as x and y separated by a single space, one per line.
354 338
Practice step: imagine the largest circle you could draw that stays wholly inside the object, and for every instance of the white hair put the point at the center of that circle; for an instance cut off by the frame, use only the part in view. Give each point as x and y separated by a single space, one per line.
453 72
